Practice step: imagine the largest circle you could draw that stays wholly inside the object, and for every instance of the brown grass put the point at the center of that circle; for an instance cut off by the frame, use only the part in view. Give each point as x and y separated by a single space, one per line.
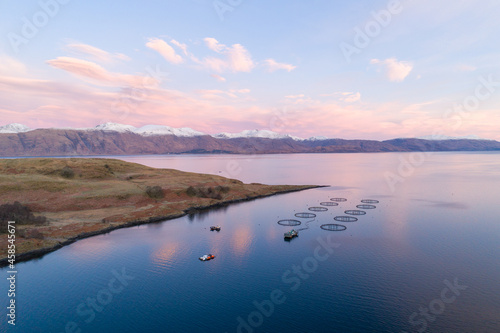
104 193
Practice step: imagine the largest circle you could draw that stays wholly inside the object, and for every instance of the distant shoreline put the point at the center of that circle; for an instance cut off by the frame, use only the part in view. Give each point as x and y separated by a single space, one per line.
237 154
74 142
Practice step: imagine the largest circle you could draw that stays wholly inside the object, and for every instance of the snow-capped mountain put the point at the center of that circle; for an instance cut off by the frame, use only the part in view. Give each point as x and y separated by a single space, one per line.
445 137
154 130
256 134
14 128
149 130
117 139
317 138
113 127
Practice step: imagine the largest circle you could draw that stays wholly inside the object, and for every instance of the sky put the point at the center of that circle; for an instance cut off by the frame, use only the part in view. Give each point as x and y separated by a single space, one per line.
342 69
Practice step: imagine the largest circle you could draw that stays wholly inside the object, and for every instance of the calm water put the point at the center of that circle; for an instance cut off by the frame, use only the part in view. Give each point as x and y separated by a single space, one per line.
437 221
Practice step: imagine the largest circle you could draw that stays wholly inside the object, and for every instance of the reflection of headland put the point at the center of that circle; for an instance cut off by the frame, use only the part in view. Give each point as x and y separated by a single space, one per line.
202 214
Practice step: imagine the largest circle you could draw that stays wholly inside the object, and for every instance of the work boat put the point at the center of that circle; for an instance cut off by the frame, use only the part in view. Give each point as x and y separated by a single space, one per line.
291 234
207 257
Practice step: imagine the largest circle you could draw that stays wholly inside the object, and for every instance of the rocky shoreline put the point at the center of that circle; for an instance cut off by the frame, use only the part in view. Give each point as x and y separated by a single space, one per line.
38 253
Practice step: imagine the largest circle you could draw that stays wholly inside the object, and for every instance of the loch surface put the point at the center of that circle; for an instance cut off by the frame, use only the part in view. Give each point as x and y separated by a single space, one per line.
425 259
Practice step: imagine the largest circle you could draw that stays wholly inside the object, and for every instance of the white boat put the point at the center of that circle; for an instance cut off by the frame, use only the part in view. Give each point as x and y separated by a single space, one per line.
207 257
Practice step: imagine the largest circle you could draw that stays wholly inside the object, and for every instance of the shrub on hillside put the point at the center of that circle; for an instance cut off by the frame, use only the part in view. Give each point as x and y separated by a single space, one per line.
30 233
207 192
20 214
155 192
191 191
222 189
67 172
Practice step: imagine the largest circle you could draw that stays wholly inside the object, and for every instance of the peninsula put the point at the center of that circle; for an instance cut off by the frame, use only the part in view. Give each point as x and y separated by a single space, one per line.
56 201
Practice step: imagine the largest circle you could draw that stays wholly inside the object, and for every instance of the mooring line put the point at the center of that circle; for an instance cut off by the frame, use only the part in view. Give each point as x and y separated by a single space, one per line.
307 225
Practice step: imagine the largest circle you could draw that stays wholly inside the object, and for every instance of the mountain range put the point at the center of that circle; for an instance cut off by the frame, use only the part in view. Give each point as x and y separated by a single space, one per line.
118 139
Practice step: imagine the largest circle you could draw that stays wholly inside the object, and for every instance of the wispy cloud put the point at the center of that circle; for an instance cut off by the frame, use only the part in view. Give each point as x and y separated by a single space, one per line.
95 53
344 96
395 70
352 97
295 96
465 68
235 58
272 65
213 111
11 66
218 77
218 94
98 75
214 94
241 91
300 99
183 47
166 51
214 45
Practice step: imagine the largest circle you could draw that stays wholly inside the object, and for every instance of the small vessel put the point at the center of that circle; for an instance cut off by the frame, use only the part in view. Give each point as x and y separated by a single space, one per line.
215 227
292 233
207 257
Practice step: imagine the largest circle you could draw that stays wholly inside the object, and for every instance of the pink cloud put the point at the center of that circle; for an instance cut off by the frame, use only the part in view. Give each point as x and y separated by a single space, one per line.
98 75
218 77
11 66
63 104
218 94
239 59
395 70
272 65
353 97
214 64
213 111
166 51
214 45
95 53
215 94
348 97
235 58
183 47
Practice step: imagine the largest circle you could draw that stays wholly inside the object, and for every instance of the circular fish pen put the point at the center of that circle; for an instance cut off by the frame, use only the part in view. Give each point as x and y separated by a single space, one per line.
338 199
305 215
328 203
369 201
289 223
345 218
355 212
318 209
366 206
333 227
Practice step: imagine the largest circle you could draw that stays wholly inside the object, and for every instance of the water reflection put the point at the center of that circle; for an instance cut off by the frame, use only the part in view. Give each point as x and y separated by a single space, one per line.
165 255
444 204
92 249
202 214
389 263
241 240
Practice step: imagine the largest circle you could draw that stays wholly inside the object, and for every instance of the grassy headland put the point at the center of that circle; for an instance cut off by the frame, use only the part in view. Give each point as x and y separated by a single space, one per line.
70 199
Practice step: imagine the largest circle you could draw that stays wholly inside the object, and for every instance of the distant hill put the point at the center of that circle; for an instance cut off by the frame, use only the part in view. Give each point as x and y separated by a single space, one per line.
116 139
